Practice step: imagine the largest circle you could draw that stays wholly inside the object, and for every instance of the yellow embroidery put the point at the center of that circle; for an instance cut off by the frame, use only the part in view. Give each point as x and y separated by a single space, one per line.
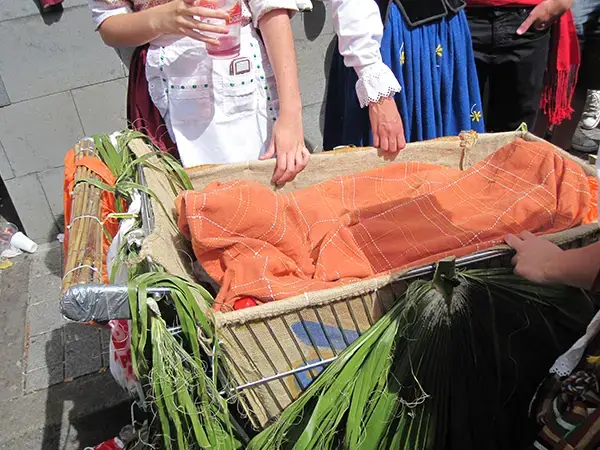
475 114
439 50
402 55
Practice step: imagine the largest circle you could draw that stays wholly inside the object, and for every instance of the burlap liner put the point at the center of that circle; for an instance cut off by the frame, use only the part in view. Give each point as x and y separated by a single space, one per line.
254 340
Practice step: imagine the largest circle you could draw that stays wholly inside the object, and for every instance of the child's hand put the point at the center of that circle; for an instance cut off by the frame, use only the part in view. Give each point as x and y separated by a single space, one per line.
287 144
181 17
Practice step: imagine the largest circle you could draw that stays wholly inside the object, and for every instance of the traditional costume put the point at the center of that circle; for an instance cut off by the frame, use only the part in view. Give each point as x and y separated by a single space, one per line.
210 111
428 48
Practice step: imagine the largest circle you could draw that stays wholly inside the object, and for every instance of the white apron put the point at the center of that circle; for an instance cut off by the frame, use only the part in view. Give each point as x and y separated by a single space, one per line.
214 117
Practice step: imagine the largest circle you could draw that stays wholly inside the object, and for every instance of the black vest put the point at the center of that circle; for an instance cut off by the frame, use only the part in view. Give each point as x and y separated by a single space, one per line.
419 12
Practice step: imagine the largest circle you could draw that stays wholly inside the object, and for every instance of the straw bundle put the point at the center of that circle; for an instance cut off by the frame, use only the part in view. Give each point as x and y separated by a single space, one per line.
84 262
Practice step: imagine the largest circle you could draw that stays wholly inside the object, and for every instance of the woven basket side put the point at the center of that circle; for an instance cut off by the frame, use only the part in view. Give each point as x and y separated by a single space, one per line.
275 338
164 246
262 341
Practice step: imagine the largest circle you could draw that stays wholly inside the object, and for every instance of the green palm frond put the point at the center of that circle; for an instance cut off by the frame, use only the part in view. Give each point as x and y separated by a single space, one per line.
453 364
191 412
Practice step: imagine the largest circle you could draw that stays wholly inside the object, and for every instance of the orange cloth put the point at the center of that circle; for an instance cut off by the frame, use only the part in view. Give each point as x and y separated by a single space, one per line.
269 246
592 215
107 199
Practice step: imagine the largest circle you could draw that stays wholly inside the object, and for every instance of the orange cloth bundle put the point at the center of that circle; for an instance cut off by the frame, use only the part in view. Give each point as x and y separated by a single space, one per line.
258 243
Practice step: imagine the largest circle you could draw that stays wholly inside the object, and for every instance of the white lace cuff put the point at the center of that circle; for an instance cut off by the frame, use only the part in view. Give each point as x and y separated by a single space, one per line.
567 362
375 82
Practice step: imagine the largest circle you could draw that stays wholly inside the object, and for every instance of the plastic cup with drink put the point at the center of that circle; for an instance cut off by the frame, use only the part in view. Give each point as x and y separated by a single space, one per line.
229 44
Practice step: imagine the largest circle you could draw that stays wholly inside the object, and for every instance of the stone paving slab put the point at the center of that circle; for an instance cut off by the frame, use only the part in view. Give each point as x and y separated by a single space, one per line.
125 55
36 134
52 184
38 60
101 107
45 291
43 378
38 409
67 416
44 317
55 350
44 349
13 303
11 9
47 261
6 171
34 212
82 358
4 99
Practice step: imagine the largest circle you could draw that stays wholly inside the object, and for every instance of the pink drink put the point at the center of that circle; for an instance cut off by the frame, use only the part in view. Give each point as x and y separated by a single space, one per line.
229 44
228 47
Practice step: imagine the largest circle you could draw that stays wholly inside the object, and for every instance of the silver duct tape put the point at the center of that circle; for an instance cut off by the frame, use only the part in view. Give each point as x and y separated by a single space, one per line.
95 303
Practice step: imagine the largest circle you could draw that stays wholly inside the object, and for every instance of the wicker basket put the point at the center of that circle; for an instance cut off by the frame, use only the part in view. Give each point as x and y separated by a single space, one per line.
269 347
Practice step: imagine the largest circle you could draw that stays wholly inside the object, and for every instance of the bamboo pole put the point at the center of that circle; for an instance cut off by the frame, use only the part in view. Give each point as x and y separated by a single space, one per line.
85 254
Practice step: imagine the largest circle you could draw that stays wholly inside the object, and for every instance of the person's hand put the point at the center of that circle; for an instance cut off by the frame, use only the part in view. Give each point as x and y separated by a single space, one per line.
544 15
536 258
287 144
386 125
182 17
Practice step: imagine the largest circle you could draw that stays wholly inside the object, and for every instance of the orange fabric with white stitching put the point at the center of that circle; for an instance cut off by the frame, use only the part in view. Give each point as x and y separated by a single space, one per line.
269 246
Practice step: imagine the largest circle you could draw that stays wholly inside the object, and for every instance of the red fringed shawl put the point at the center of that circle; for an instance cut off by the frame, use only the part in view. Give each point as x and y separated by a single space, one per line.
563 63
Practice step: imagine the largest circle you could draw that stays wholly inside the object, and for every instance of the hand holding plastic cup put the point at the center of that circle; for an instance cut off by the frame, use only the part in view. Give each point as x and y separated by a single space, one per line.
229 44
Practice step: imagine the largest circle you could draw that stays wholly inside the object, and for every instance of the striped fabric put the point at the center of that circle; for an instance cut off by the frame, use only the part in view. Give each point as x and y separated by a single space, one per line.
572 417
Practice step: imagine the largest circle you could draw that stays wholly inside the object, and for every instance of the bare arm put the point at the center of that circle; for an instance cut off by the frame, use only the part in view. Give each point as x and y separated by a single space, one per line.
176 17
277 33
288 135
541 261
130 30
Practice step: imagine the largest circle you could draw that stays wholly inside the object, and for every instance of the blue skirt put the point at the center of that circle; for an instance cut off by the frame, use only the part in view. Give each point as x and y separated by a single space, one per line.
436 70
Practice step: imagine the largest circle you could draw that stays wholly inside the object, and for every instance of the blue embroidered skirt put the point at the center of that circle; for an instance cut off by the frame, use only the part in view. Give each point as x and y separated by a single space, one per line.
436 70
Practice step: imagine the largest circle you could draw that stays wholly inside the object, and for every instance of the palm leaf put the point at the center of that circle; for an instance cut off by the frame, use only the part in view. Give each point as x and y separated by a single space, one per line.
191 412
447 367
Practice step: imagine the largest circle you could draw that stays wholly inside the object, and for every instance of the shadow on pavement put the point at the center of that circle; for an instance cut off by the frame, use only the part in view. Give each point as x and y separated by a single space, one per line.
84 412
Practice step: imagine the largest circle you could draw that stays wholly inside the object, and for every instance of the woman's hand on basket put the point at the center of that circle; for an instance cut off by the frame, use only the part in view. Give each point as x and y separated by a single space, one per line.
183 17
386 125
540 261
287 145
536 258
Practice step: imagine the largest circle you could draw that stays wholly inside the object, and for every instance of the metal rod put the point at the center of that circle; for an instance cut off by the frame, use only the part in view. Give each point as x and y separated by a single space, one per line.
283 374
413 273
146 210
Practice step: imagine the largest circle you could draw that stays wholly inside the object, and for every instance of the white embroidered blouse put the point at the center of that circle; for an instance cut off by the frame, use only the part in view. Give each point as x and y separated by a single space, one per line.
356 22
